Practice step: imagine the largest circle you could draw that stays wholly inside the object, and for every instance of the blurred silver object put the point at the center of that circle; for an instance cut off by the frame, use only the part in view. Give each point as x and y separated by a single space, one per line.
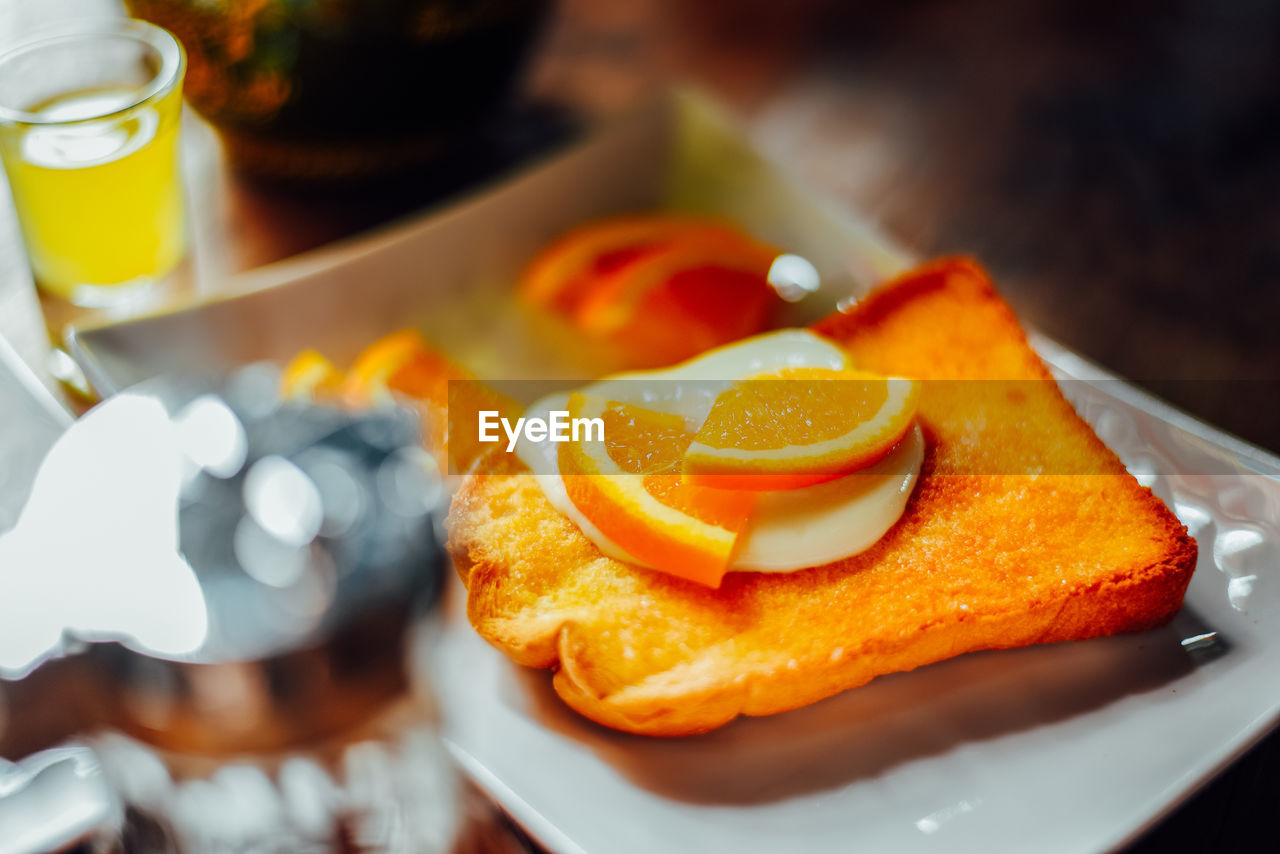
219 574
389 789
54 799
33 420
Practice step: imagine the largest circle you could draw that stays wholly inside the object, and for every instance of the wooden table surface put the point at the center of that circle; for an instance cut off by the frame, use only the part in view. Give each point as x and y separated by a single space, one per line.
1116 167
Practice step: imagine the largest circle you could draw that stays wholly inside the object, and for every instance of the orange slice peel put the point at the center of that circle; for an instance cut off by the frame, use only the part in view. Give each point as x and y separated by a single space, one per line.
628 484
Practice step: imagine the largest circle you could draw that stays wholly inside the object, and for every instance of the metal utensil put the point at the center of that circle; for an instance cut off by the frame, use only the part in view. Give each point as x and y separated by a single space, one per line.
310 535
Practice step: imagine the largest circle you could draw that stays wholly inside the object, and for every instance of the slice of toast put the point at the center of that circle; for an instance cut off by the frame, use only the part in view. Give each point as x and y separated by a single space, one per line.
1001 558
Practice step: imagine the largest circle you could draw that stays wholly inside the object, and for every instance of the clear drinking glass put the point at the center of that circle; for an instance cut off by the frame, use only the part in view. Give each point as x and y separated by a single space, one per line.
89 122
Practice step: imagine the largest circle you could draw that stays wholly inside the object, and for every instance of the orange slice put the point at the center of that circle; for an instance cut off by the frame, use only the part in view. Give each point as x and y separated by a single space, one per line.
617 298
798 427
425 375
402 367
400 362
682 298
628 484
565 271
310 376
366 383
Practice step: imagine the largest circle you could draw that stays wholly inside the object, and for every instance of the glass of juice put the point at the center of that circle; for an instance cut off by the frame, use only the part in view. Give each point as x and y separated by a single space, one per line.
89 138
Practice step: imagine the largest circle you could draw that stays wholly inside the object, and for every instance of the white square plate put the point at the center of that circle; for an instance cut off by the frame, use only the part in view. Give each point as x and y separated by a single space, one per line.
1068 747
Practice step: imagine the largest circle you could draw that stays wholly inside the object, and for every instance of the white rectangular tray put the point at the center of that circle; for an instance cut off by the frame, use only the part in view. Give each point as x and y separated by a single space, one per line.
1069 747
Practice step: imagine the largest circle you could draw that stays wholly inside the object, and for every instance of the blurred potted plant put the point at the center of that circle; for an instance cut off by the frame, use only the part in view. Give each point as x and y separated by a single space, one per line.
342 89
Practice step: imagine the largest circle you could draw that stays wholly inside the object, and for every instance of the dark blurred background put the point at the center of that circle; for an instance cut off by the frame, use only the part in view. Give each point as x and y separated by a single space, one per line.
1115 165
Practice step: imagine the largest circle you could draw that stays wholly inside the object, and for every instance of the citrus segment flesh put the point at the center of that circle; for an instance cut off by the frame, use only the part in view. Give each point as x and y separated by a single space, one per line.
682 298
658 287
799 426
629 485
566 270
310 376
425 375
366 382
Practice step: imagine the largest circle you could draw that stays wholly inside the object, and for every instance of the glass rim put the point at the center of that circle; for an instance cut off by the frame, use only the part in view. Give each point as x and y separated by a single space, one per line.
163 42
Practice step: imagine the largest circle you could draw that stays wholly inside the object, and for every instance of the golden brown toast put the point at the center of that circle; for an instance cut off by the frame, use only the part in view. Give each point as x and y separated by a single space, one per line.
978 561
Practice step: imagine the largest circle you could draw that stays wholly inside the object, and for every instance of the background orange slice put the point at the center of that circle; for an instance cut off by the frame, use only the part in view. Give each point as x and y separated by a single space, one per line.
565 271
399 368
659 287
629 485
683 298
798 427
310 376
367 380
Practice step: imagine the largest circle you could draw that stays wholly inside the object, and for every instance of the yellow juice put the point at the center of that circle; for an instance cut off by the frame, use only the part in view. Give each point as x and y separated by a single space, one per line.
99 201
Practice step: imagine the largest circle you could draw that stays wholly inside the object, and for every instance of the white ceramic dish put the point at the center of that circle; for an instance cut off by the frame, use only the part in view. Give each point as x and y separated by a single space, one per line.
1070 747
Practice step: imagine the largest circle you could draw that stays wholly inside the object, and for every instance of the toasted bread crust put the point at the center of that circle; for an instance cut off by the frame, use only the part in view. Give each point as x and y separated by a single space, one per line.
978 561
